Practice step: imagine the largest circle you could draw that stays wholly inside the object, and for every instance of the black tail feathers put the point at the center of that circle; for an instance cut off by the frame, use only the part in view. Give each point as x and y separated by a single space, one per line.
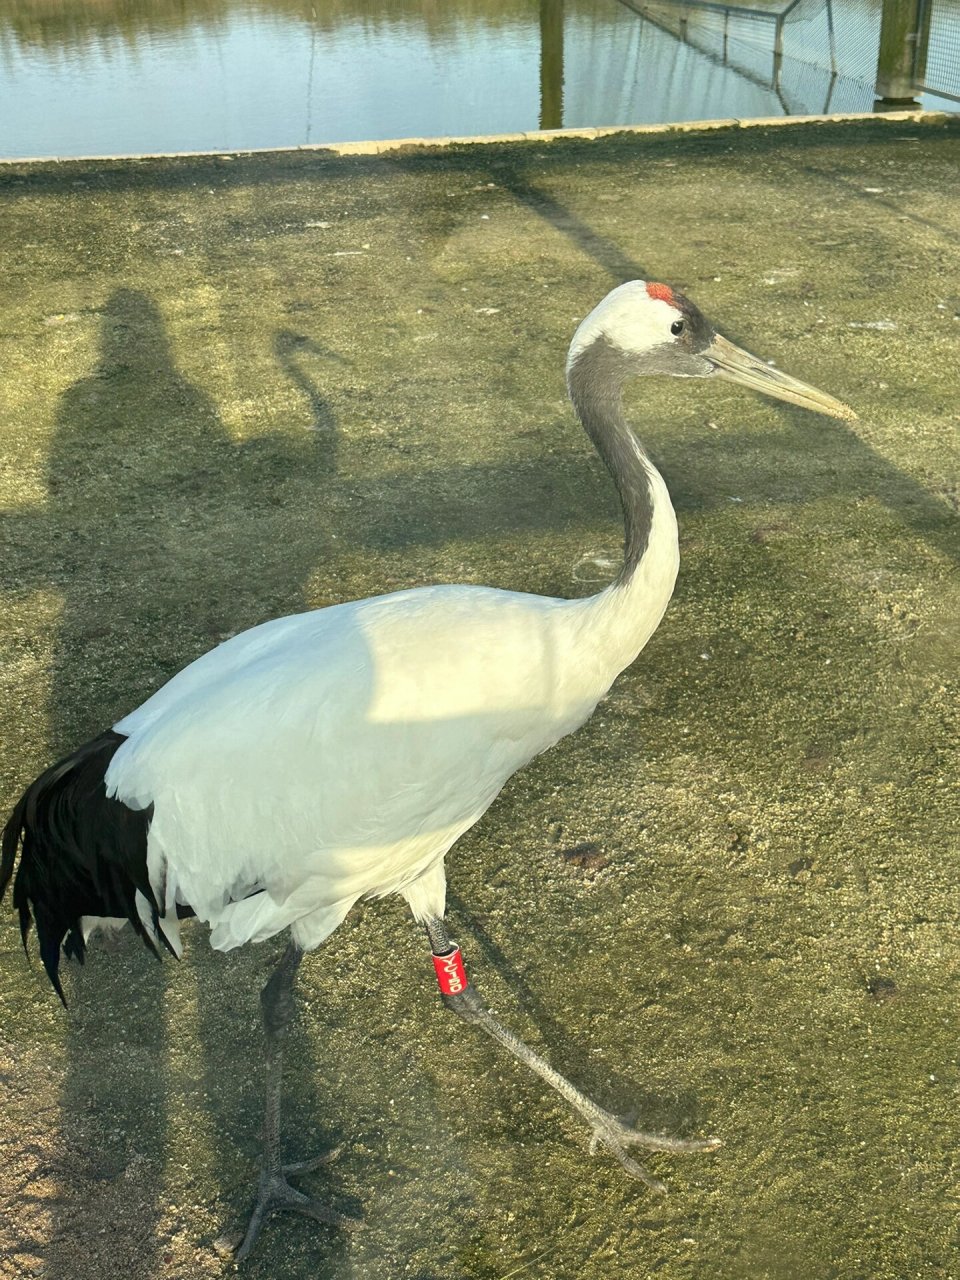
83 854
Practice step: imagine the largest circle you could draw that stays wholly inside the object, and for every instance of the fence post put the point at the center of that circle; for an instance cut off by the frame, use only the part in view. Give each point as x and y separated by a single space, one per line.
902 49
551 64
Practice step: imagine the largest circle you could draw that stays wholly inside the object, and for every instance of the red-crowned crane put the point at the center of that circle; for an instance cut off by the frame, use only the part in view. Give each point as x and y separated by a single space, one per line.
339 754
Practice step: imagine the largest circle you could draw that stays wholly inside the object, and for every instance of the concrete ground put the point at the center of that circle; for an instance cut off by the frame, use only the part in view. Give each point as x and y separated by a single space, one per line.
232 388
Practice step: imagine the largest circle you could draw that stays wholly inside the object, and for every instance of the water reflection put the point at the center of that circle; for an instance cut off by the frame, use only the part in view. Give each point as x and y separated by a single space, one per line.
89 77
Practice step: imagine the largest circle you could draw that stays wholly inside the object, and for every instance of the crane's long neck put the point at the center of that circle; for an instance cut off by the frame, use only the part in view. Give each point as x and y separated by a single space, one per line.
633 605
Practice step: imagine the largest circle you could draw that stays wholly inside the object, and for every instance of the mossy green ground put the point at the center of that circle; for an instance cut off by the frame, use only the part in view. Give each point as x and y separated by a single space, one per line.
235 388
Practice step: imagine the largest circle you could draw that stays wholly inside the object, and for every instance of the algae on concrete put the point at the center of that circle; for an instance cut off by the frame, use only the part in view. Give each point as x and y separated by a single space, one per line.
232 388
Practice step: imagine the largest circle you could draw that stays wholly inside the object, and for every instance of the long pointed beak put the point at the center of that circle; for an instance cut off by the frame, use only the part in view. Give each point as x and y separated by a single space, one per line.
740 366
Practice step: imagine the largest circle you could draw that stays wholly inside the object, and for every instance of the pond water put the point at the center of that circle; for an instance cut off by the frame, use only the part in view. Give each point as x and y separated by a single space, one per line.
102 77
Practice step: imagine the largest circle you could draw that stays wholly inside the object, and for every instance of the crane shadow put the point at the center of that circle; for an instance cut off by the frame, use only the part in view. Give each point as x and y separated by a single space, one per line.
293 350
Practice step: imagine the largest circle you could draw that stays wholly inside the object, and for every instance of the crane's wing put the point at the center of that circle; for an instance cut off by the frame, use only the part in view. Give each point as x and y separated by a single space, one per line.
340 753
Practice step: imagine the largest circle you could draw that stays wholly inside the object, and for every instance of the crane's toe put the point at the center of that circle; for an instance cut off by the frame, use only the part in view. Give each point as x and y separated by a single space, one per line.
275 1193
617 1135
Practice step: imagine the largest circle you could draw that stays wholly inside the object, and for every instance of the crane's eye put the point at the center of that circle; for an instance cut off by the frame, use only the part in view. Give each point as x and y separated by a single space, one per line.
676 328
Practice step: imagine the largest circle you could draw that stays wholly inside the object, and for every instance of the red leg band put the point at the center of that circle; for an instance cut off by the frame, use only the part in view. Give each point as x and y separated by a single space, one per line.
451 974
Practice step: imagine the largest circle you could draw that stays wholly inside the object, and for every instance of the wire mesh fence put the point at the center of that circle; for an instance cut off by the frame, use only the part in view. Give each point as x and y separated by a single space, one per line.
841 36
937 69
818 55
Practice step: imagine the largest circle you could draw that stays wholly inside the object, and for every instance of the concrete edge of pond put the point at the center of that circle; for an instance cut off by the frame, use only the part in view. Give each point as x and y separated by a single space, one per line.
384 145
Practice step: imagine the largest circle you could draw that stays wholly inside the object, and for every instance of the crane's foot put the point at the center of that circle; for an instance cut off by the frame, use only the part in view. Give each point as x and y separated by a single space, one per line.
275 1193
617 1135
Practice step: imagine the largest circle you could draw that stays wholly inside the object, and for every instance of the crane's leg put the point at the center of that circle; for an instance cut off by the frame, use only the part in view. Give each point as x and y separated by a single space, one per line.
278 1008
607 1130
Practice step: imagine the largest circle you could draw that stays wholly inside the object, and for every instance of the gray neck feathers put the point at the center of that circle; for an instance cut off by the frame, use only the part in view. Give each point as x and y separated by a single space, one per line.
595 380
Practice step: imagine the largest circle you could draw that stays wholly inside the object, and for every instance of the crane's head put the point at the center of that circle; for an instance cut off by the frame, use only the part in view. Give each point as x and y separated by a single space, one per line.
646 328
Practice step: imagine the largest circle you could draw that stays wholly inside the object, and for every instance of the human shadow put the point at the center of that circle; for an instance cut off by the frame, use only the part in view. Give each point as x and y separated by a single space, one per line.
145 486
